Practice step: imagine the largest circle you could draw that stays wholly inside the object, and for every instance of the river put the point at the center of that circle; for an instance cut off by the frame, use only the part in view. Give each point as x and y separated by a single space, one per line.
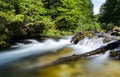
24 59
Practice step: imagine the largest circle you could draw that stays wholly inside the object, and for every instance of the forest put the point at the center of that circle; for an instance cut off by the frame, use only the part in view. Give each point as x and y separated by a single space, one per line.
59 38
21 19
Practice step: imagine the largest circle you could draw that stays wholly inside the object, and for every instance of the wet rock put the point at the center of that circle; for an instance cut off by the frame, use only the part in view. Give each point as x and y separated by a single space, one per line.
77 37
115 31
81 35
115 54
114 34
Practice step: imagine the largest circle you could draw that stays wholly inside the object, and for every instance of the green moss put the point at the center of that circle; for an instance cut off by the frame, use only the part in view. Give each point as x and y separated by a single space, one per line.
4 45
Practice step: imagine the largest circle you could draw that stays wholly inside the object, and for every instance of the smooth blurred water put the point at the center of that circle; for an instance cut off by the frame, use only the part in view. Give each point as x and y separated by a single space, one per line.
25 58
98 62
35 47
88 44
23 50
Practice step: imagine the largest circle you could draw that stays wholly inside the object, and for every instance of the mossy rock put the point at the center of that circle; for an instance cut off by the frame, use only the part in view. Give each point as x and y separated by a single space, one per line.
81 35
4 45
115 31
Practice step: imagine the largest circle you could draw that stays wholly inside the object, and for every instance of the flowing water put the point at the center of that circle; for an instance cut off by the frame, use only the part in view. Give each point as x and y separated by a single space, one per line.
24 59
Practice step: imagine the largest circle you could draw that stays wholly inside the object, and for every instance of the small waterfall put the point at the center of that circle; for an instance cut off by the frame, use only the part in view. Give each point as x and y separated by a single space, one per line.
92 43
98 62
87 45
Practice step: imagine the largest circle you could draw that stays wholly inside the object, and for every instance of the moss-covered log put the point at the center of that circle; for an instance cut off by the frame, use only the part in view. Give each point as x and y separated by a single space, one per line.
74 57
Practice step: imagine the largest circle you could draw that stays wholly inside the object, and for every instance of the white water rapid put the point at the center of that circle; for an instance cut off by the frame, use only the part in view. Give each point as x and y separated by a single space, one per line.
23 50
98 62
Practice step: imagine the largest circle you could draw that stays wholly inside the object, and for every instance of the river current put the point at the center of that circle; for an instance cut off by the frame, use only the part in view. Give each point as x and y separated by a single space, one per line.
19 58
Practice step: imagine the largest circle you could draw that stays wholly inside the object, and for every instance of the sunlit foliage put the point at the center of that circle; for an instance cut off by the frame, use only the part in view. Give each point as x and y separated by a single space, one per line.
24 18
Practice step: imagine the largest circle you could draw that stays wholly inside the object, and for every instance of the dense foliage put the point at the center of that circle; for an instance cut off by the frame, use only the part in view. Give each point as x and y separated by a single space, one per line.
110 13
26 18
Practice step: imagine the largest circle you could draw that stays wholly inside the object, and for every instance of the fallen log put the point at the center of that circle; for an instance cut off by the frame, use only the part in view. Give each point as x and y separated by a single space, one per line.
74 57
